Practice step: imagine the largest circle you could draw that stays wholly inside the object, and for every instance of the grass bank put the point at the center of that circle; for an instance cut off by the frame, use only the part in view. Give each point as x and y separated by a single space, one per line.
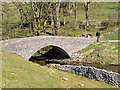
112 36
19 73
104 52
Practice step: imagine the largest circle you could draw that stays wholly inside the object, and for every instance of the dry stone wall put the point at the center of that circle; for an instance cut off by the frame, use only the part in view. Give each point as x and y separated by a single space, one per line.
91 73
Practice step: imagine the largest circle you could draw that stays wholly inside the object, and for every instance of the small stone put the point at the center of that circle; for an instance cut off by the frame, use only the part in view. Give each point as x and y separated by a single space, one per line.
68 87
81 84
14 74
50 70
63 78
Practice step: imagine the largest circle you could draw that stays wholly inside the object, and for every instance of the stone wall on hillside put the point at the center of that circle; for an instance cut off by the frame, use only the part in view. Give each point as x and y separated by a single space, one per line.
109 77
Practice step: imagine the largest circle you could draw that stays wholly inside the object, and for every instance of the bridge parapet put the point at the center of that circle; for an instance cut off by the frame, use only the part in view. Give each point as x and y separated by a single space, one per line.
26 47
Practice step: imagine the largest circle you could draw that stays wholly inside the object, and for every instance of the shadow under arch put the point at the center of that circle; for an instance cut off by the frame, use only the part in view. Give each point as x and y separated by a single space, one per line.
55 52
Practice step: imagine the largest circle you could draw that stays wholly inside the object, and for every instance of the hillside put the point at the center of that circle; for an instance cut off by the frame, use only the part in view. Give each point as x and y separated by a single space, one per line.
19 73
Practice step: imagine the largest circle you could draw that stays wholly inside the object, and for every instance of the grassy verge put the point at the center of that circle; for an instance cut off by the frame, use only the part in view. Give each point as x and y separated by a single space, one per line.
19 73
105 52
0 70
103 10
112 36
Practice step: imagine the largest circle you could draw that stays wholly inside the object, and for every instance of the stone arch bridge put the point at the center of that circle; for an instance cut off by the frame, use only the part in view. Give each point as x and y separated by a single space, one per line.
26 47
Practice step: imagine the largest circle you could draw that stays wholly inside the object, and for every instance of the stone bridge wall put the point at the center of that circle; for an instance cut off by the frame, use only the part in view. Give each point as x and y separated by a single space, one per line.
91 73
26 47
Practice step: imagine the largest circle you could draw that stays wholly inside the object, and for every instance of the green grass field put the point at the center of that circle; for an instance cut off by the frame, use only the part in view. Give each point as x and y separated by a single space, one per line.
113 36
0 70
105 52
103 10
19 73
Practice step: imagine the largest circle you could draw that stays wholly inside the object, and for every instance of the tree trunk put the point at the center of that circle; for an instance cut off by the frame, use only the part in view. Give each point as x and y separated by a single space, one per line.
43 30
34 26
86 5
52 16
57 16
64 22
37 8
76 26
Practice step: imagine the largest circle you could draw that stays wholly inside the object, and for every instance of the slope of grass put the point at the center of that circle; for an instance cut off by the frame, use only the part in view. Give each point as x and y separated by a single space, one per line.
17 73
0 70
105 52
112 36
102 11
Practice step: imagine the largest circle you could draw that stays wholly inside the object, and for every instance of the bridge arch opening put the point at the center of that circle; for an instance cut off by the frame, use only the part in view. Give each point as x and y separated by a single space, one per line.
50 52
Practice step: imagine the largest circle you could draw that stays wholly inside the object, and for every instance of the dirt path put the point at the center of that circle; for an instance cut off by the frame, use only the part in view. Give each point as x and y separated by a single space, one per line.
110 41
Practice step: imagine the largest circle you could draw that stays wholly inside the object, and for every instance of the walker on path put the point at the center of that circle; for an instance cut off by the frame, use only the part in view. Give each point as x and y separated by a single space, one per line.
98 36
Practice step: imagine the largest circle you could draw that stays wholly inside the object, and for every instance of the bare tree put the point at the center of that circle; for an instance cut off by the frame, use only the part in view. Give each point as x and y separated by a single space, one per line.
58 16
75 12
86 5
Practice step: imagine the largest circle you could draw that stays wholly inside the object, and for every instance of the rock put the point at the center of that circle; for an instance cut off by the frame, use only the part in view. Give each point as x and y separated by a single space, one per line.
51 70
63 78
81 84
68 88
15 74
77 56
